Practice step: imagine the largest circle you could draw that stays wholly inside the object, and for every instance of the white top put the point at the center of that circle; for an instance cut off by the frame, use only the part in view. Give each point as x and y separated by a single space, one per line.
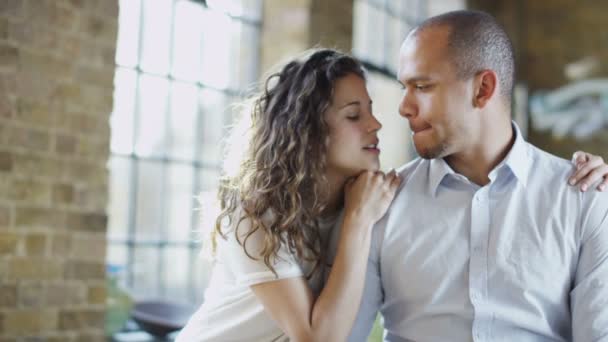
523 258
231 311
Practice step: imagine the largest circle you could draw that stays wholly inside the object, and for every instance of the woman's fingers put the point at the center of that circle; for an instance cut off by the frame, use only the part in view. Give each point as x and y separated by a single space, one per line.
603 185
588 172
579 158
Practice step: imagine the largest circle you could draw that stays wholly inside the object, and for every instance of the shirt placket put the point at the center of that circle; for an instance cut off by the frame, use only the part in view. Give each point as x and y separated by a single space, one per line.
478 264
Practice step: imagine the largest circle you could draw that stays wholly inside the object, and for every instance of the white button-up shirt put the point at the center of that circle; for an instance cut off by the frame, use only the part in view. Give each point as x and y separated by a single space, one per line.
523 258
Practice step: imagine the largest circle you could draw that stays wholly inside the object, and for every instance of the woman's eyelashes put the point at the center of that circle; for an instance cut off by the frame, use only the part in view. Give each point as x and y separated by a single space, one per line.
353 117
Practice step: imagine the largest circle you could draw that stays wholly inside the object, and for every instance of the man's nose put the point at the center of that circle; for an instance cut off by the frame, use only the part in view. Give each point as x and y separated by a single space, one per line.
407 106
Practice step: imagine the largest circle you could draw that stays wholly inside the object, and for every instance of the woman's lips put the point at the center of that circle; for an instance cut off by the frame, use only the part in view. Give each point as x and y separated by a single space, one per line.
375 150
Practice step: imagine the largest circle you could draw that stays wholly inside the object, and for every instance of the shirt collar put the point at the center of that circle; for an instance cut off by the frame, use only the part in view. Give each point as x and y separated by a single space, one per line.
517 160
438 169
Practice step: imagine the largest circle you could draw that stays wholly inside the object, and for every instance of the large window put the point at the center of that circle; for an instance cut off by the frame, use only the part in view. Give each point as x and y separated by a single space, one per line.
179 65
379 28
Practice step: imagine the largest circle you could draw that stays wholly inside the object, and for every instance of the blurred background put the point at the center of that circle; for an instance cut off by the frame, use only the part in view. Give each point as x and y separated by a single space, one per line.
113 116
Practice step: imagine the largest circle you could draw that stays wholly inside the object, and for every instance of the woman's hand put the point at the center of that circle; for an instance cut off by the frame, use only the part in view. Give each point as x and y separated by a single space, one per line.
369 195
589 169
331 315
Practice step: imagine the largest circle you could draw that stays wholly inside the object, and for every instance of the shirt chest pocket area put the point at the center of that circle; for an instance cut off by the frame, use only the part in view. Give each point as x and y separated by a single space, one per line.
537 258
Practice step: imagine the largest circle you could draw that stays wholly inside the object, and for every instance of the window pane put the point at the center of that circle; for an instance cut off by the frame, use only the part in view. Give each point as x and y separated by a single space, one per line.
377 3
187 41
214 108
394 7
208 181
249 60
149 200
216 67
118 201
128 32
153 96
236 8
145 273
376 37
361 29
157 29
201 270
168 122
182 121
121 120
117 255
207 202
252 9
393 37
176 264
235 55
180 202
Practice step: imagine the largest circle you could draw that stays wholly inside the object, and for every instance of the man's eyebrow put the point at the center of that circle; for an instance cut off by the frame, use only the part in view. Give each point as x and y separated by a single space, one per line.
417 79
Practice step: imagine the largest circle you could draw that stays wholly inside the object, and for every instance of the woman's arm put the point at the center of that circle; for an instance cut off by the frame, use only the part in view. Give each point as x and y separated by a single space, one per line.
330 317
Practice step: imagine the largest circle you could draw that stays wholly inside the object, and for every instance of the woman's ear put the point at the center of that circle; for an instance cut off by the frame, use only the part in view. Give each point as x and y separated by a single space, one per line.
486 84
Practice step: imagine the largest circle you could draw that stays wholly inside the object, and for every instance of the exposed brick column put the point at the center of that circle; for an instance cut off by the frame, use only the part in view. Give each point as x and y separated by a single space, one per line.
331 24
56 85
292 26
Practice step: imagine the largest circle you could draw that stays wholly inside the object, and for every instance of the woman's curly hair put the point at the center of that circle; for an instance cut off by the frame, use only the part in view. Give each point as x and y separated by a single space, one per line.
283 169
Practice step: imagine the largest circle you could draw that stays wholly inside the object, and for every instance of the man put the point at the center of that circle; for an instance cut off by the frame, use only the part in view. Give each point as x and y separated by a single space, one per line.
485 241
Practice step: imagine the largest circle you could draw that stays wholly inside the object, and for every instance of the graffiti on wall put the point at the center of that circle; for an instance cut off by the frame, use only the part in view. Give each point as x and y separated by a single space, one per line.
578 109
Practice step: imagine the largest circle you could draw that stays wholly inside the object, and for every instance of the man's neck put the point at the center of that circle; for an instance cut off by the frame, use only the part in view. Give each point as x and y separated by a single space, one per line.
484 154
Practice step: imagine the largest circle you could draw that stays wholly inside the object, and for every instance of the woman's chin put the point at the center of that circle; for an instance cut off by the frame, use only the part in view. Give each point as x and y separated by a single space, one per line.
370 167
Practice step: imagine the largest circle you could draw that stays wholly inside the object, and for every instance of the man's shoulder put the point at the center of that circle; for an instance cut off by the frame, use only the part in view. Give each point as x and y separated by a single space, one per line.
551 173
547 164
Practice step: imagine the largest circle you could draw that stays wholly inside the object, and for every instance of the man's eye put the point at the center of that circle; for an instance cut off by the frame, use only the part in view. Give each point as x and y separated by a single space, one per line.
422 86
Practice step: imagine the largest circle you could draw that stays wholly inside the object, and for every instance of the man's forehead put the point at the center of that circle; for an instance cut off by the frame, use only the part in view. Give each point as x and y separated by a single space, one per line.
414 57
432 38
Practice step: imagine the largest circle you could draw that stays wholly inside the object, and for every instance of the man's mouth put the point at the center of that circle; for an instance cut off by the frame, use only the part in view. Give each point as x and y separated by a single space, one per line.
419 129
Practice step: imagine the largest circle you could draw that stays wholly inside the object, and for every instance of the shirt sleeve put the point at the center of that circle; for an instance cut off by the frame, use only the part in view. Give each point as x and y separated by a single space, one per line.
250 271
589 297
373 294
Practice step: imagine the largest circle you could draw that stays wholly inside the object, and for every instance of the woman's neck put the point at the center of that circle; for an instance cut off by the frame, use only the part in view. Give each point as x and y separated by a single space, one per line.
335 195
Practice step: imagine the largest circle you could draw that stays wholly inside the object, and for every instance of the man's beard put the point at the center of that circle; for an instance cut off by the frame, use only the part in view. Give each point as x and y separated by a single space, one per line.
433 152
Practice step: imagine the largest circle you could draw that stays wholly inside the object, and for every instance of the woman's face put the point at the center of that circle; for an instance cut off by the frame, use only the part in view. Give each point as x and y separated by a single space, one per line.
353 140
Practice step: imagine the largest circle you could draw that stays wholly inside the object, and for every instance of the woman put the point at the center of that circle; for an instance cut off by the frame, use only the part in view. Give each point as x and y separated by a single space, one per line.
312 164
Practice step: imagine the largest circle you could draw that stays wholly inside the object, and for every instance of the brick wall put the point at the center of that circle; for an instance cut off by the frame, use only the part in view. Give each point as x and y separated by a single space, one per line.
56 73
292 26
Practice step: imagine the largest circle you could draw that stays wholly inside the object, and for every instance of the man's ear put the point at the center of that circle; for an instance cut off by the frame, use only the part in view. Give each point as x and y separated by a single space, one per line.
485 86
